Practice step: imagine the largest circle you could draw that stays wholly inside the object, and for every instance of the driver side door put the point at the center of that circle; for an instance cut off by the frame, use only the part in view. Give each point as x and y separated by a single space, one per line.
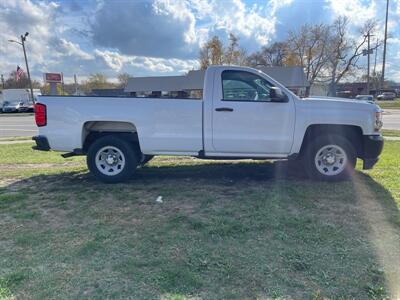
245 122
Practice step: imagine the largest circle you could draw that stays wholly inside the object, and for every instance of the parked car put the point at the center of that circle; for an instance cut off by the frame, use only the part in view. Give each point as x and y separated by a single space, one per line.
17 106
16 96
365 97
9 107
386 96
28 107
244 113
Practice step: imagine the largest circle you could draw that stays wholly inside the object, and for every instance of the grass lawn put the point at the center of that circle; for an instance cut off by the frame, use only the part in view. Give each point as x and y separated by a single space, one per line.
16 138
225 230
389 104
389 132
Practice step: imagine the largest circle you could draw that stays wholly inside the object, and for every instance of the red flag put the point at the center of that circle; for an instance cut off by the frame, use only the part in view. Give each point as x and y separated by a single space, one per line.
19 73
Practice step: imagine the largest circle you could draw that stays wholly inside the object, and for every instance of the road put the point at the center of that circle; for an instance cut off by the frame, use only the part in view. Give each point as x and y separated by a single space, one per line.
391 119
18 125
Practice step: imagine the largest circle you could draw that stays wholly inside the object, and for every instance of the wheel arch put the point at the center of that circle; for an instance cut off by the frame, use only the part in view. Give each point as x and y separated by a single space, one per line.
92 130
351 132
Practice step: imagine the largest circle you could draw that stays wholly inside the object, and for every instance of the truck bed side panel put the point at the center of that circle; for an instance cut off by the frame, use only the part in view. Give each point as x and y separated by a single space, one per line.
163 125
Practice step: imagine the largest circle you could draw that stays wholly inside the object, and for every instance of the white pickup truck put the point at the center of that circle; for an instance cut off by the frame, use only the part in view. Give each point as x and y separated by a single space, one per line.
243 113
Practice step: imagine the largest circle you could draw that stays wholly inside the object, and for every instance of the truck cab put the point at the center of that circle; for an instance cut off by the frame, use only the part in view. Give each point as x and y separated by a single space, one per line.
243 113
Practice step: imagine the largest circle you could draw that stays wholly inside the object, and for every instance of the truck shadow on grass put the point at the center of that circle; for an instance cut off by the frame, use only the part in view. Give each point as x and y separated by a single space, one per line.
223 231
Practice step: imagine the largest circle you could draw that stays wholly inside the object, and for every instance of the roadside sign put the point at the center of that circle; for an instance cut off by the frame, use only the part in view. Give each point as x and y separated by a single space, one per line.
53 77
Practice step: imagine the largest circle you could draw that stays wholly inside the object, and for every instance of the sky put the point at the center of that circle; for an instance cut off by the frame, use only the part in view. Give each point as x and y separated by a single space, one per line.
163 37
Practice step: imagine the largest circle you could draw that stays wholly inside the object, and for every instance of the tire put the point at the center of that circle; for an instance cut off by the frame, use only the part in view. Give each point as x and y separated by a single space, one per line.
111 159
146 159
330 158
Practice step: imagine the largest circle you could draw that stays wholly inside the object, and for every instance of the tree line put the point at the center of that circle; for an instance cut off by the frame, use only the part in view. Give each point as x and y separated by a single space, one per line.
94 81
328 53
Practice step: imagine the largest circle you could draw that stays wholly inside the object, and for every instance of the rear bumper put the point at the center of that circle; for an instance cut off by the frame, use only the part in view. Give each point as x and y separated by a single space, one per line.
372 145
42 143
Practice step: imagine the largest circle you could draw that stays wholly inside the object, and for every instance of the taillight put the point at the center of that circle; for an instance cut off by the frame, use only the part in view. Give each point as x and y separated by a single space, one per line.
40 115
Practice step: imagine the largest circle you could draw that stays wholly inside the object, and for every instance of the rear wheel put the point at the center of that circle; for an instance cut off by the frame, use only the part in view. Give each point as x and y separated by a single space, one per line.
330 158
111 159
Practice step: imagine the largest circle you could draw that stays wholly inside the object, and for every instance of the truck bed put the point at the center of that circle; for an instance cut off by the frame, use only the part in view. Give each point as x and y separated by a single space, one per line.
164 126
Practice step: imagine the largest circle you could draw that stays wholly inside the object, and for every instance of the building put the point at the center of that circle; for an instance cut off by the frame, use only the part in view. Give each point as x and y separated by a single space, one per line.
351 89
191 85
292 78
108 93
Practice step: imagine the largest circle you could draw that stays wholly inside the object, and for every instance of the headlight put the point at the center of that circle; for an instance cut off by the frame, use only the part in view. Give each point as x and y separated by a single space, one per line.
378 121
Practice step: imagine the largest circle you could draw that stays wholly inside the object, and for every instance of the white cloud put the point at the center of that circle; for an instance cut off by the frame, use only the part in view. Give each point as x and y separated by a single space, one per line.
397 7
357 11
159 29
16 17
180 12
176 29
68 48
50 50
148 65
162 36
255 25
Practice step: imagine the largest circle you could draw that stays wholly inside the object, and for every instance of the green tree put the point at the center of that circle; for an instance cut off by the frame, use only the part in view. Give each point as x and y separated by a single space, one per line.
212 53
96 81
12 83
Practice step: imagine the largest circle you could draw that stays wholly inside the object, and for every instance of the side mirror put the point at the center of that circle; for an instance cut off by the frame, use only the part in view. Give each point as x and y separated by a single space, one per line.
277 95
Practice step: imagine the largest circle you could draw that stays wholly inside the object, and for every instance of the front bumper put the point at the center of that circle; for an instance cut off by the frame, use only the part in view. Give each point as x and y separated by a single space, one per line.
42 143
372 146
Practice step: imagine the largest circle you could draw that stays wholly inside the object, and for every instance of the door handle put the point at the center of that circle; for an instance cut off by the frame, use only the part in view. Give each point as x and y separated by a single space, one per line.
224 109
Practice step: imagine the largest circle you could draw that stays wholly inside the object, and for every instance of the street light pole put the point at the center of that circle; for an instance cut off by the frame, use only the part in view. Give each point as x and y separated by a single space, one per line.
23 38
22 43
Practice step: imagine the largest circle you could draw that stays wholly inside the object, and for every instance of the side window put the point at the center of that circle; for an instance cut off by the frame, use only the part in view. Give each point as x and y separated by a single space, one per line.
244 86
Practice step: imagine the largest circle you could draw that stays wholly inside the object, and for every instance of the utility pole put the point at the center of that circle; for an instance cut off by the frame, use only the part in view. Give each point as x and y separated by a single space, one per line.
374 72
76 85
384 45
23 39
22 43
2 81
369 50
62 84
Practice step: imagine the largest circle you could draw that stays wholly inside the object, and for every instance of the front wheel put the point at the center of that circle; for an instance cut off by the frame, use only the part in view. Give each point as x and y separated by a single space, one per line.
111 159
330 158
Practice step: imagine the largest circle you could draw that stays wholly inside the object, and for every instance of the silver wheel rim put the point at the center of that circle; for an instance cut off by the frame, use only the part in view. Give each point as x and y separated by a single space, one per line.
330 160
110 160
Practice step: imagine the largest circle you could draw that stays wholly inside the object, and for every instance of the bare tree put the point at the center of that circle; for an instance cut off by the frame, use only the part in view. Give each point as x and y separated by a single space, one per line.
123 79
274 55
345 51
231 54
309 48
